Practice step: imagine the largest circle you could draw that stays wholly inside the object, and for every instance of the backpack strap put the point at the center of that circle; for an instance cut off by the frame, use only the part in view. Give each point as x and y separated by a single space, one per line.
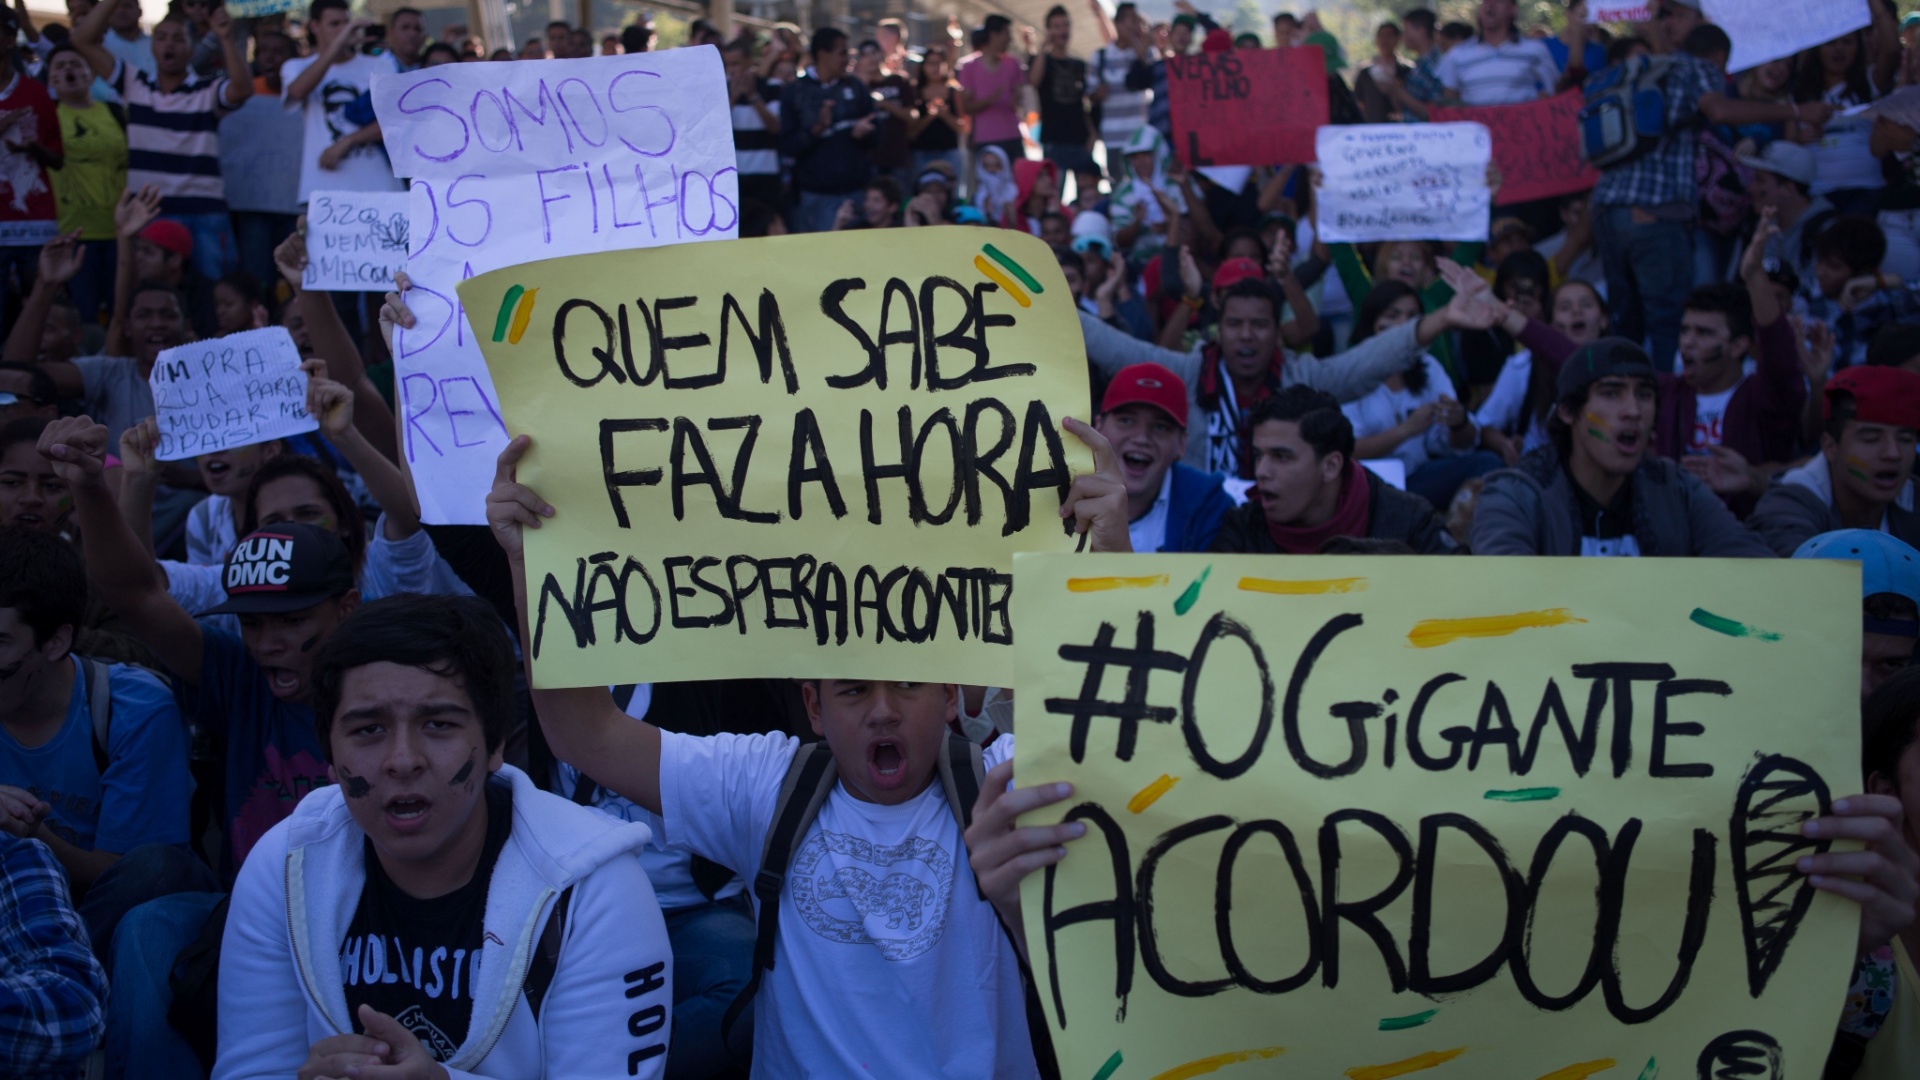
546 954
810 778
98 679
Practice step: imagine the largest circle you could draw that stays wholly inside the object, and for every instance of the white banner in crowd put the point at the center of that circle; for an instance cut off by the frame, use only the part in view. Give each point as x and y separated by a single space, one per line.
355 240
231 391
1404 182
516 162
1764 30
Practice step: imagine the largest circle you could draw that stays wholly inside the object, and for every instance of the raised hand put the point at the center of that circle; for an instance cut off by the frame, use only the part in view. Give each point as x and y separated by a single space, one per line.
1190 278
138 445
136 210
62 258
1817 361
1001 852
1723 469
329 402
290 258
511 505
1753 262
1883 876
1097 501
395 311
78 449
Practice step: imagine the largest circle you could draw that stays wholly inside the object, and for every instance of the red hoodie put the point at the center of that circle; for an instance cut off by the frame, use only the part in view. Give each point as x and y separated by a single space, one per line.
1025 175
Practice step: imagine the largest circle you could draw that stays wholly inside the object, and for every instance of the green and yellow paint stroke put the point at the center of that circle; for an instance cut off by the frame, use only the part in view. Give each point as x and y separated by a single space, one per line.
516 310
1006 280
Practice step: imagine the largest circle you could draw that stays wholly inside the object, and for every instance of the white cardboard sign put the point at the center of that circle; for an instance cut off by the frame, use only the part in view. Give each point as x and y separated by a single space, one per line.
356 240
231 391
516 162
1764 30
1404 182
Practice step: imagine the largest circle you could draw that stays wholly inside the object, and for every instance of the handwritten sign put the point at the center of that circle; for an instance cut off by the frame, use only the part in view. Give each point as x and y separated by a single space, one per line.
1534 818
1247 107
516 162
355 240
232 391
1404 182
1536 145
798 456
255 9
1612 11
1764 30
1902 107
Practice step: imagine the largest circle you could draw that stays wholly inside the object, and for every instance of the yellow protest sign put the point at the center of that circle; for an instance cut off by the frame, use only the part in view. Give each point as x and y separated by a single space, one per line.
796 456
1466 818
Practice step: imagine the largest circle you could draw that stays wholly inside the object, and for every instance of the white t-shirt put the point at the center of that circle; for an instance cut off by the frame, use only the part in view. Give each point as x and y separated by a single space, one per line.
1383 408
888 963
1708 411
1505 407
364 169
1149 533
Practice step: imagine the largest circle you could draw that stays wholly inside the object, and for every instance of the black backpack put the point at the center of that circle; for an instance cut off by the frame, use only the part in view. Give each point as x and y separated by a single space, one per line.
810 779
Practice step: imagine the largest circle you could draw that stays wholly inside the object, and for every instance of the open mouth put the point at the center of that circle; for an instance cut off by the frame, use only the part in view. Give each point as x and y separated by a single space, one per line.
1628 440
887 762
31 521
282 681
1135 463
406 811
217 469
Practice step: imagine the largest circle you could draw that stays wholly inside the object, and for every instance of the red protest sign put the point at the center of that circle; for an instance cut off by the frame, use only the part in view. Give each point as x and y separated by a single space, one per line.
1247 107
1536 146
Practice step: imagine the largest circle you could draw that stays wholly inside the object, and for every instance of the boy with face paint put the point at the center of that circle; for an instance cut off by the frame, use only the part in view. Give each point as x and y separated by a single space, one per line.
390 926
935 977
1598 490
1863 476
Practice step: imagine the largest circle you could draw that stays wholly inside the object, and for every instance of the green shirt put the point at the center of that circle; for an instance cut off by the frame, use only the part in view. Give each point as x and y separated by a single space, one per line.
87 187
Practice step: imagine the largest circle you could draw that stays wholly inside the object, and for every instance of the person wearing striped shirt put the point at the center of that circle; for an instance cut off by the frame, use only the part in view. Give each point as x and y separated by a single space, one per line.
1499 67
173 126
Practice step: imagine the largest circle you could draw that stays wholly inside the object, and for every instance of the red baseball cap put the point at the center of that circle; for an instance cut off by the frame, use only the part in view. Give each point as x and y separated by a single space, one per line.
1150 384
170 235
1882 395
1234 271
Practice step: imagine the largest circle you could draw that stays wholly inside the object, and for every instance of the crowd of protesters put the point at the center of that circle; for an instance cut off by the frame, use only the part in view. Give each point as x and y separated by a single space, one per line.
243 697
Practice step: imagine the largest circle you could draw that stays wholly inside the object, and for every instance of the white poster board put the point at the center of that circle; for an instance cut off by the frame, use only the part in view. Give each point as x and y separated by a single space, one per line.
231 391
1404 182
516 162
1764 30
355 240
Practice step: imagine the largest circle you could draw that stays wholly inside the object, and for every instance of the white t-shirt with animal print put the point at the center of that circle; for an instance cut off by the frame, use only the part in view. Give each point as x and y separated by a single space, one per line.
888 962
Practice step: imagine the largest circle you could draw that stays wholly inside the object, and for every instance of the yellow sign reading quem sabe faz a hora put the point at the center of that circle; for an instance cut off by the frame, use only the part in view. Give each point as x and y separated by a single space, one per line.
1525 819
796 456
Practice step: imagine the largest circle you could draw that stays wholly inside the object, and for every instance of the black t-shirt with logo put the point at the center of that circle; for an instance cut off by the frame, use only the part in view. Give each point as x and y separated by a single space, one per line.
418 960
1063 101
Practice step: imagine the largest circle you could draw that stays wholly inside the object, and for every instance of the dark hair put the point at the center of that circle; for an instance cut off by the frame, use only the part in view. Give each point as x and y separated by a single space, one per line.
457 637
1057 9
43 578
867 45
825 39
179 298
996 24
1855 240
1286 16
1725 298
1253 289
756 218
43 391
887 186
1322 425
1243 232
63 47
1842 409
1070 259
440 47
562 24
245 284
352 524
1623 45
1889 716
1583 283
1422 18
634 37
1895 344
1365 545
316 8
1705 40
1562 434
1125 7
741 45
1457 31
397 12
1810 77
25 429
1526 265
1385 293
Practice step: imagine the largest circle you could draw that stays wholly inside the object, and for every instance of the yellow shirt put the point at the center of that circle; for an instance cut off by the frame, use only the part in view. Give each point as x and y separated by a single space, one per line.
1894 1054
87 187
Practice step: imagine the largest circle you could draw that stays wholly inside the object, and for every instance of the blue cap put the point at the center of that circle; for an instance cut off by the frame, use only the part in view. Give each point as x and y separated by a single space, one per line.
1887 565
968 215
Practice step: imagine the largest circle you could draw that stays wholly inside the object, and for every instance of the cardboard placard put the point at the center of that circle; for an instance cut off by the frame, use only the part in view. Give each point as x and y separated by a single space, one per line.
1248 106
1536 145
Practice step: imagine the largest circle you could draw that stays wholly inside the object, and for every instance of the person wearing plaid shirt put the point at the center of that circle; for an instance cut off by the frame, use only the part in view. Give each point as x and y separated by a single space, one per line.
1644 208
53 994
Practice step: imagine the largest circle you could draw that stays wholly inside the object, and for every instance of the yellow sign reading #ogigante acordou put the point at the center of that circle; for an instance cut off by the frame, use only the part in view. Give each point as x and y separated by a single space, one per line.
795 456
1449 818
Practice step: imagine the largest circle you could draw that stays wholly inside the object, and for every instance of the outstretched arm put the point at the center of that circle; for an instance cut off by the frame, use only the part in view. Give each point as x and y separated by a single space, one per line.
332 404
371 414
117 565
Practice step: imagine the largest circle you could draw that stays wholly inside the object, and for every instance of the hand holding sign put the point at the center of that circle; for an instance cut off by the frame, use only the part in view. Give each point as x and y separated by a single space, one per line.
232 391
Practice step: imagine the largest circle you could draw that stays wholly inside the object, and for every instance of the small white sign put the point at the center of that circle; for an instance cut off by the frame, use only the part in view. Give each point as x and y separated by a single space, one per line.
225 392
1404 182
356 240
1763 30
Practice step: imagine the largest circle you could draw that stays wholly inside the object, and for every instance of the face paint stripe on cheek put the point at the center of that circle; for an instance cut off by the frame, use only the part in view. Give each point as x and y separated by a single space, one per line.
465 771
307 645
356 787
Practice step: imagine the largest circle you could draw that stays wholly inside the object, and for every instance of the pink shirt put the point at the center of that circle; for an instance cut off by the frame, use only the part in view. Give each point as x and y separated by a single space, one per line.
1000 122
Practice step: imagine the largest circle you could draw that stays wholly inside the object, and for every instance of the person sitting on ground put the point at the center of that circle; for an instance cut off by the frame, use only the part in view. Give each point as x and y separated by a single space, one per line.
93 755
1309 488
1862 478
1889 598
433 848
1171 506
53 993
1598 490
961 992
